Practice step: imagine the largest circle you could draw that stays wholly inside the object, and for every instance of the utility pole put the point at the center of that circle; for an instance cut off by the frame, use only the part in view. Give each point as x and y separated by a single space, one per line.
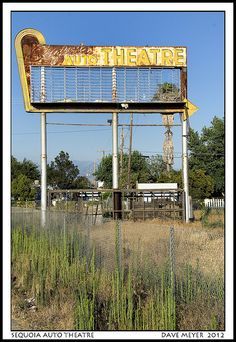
94 170
121 151
43 153
103 152
130 149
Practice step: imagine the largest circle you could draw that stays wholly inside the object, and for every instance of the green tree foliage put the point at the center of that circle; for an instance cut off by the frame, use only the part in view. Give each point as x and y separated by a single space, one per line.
167 92
200 184
26 167
139 170
23 174
207 153
62 172
174 176
22 189
156 167
104 171
154 170
83 182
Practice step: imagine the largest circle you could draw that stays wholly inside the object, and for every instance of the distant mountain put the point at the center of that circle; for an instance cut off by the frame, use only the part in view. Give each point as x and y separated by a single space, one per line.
85 168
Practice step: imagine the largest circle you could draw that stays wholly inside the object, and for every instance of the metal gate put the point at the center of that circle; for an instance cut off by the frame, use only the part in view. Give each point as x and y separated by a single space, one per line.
135 204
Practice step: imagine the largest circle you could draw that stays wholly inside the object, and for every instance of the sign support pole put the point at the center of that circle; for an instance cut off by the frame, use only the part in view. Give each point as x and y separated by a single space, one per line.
43 169
115 177
43 153
115 150
185 165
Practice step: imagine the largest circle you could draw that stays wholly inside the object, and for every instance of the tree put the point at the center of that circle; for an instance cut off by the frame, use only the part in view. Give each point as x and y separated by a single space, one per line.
167 92
200 184
15 168
104 171
174 176
83 182
23 174
156 167
26 167
139 170
22 189
207 153
62 172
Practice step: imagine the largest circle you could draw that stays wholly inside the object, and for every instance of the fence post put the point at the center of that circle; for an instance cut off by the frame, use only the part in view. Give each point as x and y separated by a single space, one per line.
66 202
172 257
96 213
118 246
172 276
87 247
64 224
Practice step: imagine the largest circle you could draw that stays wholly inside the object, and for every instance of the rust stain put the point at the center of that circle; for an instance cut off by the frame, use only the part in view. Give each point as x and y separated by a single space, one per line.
27 43
83 55
183 77
69 55
53 55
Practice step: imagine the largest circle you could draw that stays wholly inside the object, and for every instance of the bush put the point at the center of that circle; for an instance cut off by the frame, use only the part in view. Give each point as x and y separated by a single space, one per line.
21 188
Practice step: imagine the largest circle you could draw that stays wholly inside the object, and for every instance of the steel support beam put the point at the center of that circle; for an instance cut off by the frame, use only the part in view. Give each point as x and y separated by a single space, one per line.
115 174
185 167
43 169
115 151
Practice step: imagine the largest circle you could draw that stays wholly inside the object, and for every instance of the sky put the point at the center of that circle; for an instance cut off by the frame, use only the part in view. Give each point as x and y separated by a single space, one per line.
201 32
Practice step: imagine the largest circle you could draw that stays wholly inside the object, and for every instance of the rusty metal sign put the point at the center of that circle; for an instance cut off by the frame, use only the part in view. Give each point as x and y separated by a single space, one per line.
32 51
133 56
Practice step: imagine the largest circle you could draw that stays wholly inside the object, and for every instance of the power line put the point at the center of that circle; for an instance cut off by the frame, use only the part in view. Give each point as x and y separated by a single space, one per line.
87 130
75 124
103 152
120 124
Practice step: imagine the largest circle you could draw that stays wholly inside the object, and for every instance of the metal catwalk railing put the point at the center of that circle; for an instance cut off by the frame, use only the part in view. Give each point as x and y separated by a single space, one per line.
94 84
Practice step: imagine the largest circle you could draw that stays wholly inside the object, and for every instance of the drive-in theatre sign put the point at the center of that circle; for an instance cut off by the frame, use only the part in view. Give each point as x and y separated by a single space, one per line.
122 56
103 79
67 78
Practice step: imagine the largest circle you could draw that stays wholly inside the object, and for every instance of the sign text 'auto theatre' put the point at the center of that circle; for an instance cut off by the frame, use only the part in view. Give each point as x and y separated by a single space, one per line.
127 56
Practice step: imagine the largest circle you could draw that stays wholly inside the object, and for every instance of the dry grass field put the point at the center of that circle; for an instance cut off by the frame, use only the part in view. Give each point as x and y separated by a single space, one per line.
144 248
193 243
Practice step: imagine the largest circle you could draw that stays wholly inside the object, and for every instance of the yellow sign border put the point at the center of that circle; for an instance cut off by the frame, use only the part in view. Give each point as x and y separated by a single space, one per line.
20 59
